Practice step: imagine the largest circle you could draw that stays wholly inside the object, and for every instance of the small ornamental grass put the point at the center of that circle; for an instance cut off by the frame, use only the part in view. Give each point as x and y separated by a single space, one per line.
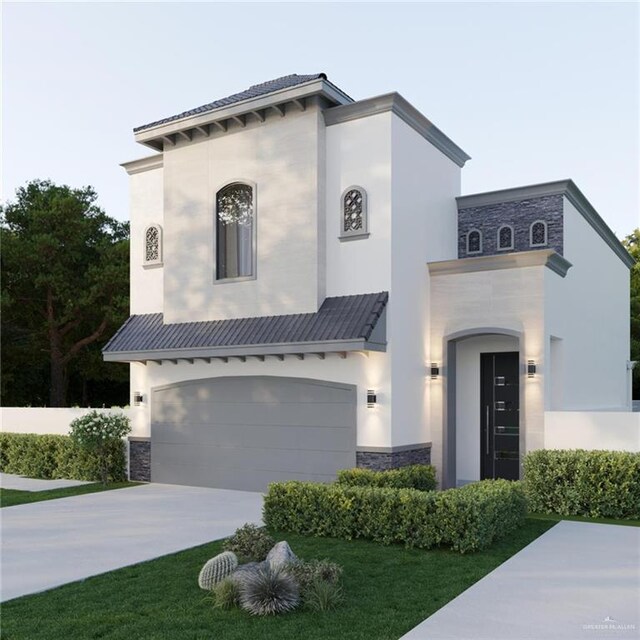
321 595
225 595
312 571
269 591
250 543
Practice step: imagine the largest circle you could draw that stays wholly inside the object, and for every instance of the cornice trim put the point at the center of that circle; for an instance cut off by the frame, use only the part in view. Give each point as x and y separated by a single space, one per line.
402 108
143 164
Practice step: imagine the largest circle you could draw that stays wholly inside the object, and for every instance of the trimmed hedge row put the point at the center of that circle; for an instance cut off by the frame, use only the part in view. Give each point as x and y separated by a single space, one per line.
466 519
417 476
599 484
51 457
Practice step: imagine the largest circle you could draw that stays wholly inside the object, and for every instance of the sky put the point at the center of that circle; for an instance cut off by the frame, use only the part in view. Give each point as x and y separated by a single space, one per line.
533 92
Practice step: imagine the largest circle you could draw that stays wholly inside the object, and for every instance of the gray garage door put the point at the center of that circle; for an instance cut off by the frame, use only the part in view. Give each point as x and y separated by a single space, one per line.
244 432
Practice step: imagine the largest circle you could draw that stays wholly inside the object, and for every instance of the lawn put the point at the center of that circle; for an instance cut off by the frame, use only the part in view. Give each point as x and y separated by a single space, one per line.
13 497
388 591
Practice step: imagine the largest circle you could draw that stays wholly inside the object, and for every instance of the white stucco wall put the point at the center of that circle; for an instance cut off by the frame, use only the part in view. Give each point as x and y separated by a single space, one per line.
617 431
468 400
146 207
589 311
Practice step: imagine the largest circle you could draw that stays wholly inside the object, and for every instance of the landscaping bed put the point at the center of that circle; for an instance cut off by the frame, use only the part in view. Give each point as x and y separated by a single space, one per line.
13 497
388 590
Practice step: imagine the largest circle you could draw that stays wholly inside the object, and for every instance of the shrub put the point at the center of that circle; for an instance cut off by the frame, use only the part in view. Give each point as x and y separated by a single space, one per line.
417 476
53 457
250 542
96 432
306 573
599 484
466 519
269 591
226 594
322 595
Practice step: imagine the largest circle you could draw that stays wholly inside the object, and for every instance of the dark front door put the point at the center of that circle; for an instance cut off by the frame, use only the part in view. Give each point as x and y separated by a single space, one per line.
500 415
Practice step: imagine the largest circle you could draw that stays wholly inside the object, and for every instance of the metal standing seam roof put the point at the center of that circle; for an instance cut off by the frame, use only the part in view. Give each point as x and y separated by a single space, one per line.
338 319
264 88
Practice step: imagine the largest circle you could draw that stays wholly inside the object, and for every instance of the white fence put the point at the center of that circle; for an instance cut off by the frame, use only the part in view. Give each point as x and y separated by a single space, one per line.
618 431
53 421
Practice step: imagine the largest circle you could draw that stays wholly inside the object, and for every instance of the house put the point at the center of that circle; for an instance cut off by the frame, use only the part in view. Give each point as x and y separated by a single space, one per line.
310 292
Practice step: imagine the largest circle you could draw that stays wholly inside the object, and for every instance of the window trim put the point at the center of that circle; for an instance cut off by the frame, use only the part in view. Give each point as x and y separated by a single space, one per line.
254 232
510 247
473 253
359 234
150 264
546 234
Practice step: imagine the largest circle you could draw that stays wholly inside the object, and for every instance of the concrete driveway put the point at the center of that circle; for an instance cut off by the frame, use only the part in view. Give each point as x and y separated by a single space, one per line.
577 581
47 544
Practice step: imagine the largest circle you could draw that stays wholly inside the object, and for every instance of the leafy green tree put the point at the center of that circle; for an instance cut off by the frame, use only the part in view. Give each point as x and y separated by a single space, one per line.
65 290
632 243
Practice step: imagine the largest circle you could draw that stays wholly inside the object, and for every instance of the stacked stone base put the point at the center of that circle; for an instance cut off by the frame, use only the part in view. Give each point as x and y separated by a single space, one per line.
393 457
140 459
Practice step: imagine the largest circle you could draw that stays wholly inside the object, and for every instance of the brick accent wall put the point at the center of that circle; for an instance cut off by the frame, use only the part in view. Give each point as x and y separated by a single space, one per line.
140 459
520 214
378 460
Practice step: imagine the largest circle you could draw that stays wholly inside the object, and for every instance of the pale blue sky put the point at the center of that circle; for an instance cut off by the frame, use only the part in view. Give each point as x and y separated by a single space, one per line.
533 92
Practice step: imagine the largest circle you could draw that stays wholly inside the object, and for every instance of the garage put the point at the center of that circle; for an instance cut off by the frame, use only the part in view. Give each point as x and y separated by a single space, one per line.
247 431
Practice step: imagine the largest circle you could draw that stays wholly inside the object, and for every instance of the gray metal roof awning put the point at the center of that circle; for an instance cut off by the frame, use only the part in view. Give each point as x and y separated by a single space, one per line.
342 324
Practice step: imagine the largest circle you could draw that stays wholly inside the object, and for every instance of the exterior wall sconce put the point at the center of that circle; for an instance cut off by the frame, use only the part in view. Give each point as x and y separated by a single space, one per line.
372 398
138 398
531 369
435 370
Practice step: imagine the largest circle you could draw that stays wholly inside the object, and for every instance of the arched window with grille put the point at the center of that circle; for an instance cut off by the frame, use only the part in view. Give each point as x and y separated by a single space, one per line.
474 242
505 237
153 246
354 216
538 234
235 231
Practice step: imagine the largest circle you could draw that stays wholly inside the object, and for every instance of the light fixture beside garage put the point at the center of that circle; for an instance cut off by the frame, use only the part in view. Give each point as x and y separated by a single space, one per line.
372 398
531 368
138 398
434 370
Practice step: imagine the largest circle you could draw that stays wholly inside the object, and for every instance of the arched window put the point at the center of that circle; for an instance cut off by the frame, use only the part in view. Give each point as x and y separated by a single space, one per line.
538 234
355 221
235 231
474 242
505 238
153 245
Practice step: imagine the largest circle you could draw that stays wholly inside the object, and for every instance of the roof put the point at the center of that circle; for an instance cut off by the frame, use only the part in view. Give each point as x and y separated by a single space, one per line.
344 323
256 90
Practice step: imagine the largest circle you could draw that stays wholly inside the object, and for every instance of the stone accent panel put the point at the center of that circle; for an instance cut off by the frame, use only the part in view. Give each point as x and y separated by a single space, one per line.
140 459
381 460
520 214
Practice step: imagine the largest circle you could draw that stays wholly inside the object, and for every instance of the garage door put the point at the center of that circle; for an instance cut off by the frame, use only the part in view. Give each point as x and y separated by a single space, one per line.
244 432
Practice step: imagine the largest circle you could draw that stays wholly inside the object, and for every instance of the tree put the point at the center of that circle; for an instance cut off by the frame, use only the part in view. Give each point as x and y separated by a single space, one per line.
65 290
632 243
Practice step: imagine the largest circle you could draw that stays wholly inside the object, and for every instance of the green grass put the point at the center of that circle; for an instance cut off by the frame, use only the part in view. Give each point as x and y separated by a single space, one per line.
554 517
13 497
388 590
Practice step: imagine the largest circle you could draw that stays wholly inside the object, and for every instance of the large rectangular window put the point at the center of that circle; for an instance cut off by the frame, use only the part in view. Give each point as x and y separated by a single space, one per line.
234 231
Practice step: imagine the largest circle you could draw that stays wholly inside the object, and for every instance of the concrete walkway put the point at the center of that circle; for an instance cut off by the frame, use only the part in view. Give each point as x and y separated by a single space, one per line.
11 481
46 544
577 581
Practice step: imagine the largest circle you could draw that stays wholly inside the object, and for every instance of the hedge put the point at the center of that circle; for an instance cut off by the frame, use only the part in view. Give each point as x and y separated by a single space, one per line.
49 456
599 484
466 519
417 476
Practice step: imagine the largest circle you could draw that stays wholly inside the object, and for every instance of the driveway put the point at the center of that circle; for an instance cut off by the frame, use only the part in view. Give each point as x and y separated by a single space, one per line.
577 581
47 544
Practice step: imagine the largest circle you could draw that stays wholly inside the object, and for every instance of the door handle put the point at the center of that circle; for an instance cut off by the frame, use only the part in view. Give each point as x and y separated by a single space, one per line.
487 433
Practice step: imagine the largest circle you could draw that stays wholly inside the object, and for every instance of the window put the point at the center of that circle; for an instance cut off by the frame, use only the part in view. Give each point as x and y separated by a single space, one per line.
538 234
153 245
235 231
474 242
505 238
355 222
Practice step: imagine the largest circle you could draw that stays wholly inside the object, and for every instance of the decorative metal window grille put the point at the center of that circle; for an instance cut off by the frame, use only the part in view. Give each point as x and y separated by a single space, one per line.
505 238
538 233
152 245
353 211
474 242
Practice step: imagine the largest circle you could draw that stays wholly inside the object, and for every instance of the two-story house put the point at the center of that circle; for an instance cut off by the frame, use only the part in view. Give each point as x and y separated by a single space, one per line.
310 292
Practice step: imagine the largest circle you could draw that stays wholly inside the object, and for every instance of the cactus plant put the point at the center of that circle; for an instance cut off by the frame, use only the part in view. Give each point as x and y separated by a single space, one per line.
217 569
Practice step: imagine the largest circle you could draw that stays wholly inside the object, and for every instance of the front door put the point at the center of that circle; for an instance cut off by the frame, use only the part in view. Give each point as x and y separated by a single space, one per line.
500 415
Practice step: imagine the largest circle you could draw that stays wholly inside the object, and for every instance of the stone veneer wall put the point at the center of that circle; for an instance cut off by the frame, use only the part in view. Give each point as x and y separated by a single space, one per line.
380 460
140 459
520 214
